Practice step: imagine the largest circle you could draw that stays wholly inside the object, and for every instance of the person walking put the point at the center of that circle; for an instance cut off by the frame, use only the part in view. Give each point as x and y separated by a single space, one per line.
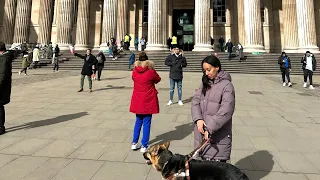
309 65
89 61
101 59
212 108
285 67
131 59
144 101
229 47
55 58
176 62
6 58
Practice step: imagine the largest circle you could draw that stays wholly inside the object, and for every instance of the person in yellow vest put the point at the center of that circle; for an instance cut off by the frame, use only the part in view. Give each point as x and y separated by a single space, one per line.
127 40
174 42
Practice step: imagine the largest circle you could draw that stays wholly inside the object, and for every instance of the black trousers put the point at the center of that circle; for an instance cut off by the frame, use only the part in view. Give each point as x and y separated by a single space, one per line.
285 73
2 116
56 66
100 67
306 73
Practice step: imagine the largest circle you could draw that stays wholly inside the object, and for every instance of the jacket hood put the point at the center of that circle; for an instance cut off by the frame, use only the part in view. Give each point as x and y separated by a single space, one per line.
142 66
222 75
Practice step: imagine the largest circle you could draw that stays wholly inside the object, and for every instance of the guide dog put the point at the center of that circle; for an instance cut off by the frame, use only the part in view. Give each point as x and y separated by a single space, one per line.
172 165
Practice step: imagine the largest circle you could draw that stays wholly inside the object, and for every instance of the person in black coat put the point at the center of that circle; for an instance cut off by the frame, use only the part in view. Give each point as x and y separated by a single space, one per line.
6 58
89 61
309 65
176 62
229 47
285 67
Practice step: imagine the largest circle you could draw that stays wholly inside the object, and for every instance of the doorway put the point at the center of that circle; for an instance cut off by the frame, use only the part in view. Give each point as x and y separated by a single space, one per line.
183 28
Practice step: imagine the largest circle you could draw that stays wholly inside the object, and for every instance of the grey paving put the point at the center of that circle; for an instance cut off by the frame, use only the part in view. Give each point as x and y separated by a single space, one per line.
56 133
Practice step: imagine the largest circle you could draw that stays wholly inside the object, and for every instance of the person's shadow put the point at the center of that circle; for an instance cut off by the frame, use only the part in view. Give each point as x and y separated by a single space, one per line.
261 161
47 122
179 133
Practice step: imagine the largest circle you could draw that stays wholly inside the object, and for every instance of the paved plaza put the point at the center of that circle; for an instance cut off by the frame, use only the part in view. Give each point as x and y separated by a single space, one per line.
59 134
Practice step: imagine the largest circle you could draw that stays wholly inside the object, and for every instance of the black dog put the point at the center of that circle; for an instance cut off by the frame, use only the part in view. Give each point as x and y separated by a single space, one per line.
170 164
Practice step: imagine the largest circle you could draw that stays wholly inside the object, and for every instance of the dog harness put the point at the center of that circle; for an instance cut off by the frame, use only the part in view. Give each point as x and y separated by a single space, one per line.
187 173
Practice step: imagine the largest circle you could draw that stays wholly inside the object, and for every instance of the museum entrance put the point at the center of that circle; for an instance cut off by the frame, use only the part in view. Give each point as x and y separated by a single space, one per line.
183 28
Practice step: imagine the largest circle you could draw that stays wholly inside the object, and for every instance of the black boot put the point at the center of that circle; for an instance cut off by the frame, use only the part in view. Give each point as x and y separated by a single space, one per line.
2 130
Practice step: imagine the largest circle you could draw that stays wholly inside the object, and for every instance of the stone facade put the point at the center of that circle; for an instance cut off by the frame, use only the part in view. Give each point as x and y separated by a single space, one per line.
288 25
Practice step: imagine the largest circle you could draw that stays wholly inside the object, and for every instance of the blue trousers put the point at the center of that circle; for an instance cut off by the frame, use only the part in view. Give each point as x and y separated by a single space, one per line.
172 86
145 120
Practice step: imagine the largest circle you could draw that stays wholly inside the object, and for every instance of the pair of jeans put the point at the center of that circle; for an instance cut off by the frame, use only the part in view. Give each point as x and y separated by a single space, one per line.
285 73
82 82
306 73
179 87
2 116
25 70
145 120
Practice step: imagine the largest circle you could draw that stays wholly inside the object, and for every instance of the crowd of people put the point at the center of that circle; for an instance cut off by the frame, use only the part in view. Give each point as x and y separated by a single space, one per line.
212 105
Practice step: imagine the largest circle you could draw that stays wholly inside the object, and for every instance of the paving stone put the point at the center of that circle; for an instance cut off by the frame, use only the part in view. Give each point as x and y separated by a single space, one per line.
6 141
26 146
116 152
90 150
5 159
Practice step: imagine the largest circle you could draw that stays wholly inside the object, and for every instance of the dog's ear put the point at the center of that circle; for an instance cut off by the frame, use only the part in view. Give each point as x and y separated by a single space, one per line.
155 150
166 145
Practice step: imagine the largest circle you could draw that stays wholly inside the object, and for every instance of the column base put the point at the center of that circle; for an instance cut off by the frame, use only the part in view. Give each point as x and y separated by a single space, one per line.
202 47
312 49
81 47
104 46
155 47
64 46
257 48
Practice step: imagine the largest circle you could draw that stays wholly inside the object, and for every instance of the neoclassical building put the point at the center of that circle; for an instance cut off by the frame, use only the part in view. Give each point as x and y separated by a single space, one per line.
259 25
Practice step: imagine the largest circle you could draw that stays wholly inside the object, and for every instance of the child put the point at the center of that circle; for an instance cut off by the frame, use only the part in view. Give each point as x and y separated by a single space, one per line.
144 101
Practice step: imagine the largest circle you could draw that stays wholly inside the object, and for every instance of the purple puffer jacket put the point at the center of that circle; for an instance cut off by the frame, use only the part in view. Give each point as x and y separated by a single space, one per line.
216 109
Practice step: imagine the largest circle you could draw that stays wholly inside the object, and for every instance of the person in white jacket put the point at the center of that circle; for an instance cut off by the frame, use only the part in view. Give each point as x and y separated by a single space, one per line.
35 56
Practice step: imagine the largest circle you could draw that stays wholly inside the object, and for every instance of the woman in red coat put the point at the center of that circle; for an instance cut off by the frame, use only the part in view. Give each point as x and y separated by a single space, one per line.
144 101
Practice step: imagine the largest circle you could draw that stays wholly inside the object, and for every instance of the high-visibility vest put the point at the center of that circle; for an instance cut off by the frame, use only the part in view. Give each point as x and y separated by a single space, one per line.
126 38
174 40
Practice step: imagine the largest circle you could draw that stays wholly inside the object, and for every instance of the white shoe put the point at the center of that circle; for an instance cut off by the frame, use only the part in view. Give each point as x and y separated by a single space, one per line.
134 146
311 87
180 103
284 84
305 85
143 149
289 84
19 73
25 74
169 103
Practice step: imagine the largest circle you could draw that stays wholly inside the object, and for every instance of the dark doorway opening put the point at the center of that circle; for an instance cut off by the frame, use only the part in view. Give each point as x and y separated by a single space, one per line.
183 28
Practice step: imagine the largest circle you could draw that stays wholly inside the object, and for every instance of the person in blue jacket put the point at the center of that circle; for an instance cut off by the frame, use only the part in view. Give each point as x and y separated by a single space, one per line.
285 67
131 59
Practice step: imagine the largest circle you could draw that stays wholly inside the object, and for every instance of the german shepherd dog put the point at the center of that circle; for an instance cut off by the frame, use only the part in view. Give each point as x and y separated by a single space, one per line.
170 165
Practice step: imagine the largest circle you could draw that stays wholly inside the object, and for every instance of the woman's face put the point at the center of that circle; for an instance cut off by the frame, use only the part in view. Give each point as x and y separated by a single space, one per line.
210 71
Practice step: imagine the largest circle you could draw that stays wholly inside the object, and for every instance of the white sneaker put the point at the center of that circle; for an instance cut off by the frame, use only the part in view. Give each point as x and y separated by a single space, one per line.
169 103
305 85
25 74
311 87
134 146
180 103
284 84
289 84
143 149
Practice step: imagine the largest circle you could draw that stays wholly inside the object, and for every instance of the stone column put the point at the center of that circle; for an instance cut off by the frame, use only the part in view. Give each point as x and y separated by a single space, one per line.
290 26
241 29
122 29
45 21
202 26
155 26
83 22
109 24
306 26
253 26
132 22
22 26
65 22
8 21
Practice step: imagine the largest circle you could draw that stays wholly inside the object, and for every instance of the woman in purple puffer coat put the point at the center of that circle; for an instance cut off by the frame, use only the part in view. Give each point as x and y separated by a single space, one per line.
212 107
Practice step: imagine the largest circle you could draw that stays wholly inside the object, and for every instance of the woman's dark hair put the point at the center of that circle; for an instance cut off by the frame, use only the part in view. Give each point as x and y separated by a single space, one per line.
2 46
283 53
213 61
143 56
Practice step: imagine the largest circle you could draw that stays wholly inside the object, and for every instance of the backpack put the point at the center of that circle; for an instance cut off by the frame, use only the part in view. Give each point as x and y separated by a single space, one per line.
100 60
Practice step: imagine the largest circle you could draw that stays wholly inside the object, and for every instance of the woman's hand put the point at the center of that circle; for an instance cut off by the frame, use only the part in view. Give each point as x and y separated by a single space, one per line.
200 124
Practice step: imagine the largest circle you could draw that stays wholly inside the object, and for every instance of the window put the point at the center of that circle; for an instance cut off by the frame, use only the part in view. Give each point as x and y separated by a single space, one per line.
145 12
219 11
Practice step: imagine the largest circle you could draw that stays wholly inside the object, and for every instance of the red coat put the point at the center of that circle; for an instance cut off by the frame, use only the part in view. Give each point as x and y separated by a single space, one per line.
145 95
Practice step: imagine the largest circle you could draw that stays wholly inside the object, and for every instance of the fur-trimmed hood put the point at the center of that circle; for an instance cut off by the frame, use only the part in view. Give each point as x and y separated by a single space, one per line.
142 66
